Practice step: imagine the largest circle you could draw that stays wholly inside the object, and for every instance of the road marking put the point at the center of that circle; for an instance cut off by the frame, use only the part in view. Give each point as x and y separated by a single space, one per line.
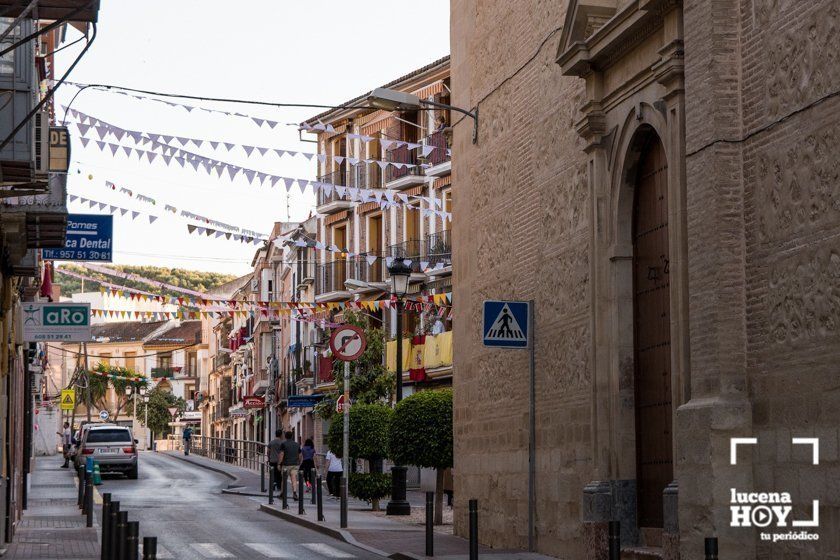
327 550
211 550
269 550
163 553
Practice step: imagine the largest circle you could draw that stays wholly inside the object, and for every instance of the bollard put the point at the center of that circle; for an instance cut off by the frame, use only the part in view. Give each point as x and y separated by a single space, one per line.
473 512
284 487
122 530
320 500
262 477
343 494
106 530
430 523
271 486
88 500
711 548
132 540
80 472
149 548
112 531
312 484
614 540
300 494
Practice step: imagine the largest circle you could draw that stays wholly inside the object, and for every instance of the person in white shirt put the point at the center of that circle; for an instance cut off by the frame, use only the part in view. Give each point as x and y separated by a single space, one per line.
335 468
66 444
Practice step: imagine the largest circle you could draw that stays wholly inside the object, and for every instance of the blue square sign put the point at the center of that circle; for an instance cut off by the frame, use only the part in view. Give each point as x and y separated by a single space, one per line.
506 324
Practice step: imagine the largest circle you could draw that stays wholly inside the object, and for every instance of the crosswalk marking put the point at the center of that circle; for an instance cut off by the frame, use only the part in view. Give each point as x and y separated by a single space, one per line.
268 550
211 550
163 553
327 550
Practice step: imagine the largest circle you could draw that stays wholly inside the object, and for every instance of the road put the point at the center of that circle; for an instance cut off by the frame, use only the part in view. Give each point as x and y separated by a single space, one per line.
183 506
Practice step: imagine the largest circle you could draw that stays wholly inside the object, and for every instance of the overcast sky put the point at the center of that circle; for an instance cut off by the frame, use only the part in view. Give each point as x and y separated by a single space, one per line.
308 51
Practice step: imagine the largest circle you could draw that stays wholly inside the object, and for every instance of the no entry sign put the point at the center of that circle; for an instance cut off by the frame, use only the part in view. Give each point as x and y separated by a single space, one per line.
348 343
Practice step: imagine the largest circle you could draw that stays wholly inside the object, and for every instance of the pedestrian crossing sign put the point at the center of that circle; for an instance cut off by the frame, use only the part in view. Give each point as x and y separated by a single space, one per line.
506 324
68 399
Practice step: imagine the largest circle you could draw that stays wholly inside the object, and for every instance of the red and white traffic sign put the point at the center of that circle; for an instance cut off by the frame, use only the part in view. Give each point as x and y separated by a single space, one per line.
348 343
339 405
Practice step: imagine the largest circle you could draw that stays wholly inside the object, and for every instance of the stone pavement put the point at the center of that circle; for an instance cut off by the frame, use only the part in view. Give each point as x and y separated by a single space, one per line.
368 530
52 525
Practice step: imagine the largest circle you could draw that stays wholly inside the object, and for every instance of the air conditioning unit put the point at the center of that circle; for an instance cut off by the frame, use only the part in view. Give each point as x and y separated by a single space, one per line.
42 143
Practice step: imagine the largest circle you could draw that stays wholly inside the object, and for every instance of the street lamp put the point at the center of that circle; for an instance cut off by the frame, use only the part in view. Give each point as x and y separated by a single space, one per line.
393 100
400 274
146 431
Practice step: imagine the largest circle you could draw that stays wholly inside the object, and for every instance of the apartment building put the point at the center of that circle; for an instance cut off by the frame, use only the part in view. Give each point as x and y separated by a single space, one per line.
385 194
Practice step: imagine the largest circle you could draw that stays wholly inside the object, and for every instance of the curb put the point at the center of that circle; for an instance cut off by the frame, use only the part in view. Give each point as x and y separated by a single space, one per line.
338 534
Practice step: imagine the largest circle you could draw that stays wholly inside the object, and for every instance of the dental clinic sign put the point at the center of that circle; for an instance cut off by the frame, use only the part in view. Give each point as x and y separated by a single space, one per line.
63 322
773 510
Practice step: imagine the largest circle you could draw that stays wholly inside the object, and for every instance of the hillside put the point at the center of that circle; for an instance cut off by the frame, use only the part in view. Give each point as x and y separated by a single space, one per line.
190 279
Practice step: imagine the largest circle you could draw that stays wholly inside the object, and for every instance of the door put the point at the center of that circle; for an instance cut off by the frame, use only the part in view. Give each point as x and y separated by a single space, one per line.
652 335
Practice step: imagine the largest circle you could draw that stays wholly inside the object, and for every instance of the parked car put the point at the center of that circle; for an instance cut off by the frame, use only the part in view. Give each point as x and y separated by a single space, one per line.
112 446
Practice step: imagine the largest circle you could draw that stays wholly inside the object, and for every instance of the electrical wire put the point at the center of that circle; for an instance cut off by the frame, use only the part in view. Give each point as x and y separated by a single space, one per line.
153 354
59 49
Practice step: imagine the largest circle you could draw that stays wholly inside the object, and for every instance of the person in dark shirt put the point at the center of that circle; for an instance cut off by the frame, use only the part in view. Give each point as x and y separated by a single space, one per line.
307 465
273 451
289 461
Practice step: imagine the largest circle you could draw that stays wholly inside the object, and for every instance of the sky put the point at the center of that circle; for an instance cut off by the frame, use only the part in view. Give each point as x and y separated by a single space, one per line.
306 51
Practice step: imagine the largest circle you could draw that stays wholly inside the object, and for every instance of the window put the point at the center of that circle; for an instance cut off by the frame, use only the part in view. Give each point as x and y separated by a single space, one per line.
192 364
130 361
374 236
113 435
164 361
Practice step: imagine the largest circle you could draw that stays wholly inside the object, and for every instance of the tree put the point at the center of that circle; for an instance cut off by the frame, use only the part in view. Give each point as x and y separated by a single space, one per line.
159 403
370 381
421 434
118 378
369 426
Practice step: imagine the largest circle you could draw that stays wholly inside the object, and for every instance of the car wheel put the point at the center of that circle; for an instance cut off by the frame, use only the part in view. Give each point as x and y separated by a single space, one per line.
132 474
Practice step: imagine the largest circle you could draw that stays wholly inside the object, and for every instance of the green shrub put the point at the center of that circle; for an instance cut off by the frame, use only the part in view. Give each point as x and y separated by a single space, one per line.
370 487
421 430
369 426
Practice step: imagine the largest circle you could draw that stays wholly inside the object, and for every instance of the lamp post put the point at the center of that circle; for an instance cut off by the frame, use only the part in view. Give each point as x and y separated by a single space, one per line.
147 432
393 100
129 390
400 275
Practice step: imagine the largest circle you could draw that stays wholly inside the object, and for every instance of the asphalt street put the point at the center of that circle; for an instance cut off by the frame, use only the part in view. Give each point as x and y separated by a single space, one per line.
183 506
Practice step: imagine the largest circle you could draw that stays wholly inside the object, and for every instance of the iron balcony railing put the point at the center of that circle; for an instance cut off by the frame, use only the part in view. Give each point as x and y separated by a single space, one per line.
221 360
338 178
439 247
402 155
441 152
330 277
411 249
363 271
366 176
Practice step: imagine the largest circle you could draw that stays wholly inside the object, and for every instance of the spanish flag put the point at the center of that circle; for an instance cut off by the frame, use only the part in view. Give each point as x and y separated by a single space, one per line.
417 371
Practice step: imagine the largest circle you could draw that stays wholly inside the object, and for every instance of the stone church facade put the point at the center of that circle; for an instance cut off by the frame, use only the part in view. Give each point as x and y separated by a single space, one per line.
662 178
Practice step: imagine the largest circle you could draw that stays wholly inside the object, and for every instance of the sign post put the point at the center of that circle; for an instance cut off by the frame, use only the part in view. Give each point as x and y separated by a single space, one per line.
510 324
347 343
68 399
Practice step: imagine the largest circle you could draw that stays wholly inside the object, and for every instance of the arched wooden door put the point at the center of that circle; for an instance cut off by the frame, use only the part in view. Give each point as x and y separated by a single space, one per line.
652 334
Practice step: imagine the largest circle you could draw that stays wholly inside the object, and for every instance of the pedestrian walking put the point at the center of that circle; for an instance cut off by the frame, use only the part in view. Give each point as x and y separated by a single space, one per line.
274 455
307 465
66 444
289 461
188 432
334 471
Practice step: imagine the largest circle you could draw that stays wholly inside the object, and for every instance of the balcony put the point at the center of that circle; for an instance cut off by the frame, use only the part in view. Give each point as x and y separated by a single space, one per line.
361 275
439 158
74 10
403 176
331 203
221 360
329 281
367 176
439 248
166 372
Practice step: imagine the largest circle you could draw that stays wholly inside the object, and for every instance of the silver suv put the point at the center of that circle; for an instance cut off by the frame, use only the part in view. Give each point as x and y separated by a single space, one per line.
112 447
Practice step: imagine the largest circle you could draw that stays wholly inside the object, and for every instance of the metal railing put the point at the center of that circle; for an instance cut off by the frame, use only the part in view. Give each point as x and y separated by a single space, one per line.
402 155
220 360
366 176
243 453
335 178
330 277
441 153
361 270
439 247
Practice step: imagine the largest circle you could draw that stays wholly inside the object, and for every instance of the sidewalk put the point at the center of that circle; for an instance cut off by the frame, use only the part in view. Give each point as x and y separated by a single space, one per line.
53 526
371 531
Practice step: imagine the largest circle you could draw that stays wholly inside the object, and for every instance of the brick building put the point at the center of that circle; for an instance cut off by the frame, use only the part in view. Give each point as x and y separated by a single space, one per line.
658 176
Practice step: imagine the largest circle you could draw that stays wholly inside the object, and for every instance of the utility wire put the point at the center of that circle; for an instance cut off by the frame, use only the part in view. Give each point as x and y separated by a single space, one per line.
83 354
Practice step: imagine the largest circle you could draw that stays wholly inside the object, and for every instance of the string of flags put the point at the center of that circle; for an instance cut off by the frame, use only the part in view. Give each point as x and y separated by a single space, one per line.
425 264
261 122
113 209
386 143
138 278
385 197
184 213
85 123
225 306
